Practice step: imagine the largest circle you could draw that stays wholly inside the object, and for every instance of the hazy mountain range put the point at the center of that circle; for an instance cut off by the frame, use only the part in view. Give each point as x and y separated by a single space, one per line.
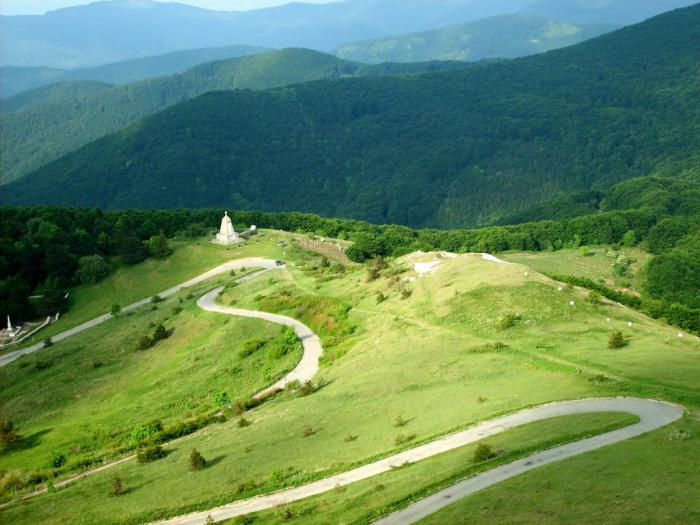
118 30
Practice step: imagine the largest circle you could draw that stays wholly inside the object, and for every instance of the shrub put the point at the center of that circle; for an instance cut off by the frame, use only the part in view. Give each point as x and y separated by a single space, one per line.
58 459
402 439
160 333
595 298
243 422
350 438
8 433
307 389
146 431
483 453
48 342
177 310
380 297
399 421
679 436
308 431
406 293
509 321
252 346
95 363
116 309
41 365
149 454
145 342
117 488
197 461
222 399
617 340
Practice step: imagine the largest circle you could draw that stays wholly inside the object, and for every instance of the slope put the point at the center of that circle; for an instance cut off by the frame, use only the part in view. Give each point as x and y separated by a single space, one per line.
15 79
506 36
447 149
51 121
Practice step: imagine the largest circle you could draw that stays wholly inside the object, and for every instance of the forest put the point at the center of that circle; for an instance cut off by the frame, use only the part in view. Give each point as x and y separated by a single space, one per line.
47 250
450 149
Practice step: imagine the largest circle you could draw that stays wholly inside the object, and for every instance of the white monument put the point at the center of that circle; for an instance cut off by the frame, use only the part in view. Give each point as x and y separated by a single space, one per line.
227 235
10 330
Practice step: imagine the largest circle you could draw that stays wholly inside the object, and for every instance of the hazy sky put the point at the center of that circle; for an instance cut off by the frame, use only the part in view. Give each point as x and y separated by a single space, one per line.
33 7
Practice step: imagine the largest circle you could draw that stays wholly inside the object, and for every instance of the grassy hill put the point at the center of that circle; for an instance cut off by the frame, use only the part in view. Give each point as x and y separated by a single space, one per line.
410 355
15 79
506 36
41 125
443 149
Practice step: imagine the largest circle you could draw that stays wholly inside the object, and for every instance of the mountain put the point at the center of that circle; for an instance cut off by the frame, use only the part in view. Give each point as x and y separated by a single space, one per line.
616 12
505 36
40 125
441 149
15 79
126 29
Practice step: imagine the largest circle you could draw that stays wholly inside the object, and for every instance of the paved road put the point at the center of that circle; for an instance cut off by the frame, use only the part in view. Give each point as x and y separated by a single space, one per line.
652 415
309 364
252 262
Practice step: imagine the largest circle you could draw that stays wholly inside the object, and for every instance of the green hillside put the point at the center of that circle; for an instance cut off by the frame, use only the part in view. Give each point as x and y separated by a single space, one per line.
15 79
445 149
60 119
506 36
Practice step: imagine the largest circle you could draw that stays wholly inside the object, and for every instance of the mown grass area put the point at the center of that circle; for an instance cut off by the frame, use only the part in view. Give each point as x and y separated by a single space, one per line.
598 264
423 348
650 479
364 501
129 284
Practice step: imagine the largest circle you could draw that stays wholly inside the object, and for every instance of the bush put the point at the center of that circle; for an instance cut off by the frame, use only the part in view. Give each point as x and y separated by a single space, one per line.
350 438
308 431
8 433
117 488
380 297
116 309
509 321
48 342
402 439
483 453
252 346
617 340
406 293
243 422
58 459
156 299
149 454
197 461
595 298
307 389
399 421
160 333
145 342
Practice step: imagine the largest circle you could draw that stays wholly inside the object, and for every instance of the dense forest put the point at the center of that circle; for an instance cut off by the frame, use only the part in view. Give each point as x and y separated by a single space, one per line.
40 125
46 250
505 36
448 149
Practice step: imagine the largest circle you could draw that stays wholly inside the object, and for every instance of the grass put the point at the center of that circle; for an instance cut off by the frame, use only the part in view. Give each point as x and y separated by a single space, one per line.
597 265
366 500
412 357
650 479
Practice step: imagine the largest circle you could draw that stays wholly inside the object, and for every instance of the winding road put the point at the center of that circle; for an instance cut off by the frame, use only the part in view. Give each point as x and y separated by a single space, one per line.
652 415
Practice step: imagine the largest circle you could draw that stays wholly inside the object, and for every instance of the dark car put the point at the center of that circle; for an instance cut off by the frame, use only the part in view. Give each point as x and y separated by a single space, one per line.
279 263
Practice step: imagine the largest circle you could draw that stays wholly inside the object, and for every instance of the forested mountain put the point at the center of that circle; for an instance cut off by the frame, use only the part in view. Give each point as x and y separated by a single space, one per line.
40 125
449 149
505 36
15 79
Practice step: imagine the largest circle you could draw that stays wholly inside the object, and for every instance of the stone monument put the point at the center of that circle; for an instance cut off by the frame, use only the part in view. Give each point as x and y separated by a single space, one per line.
227 235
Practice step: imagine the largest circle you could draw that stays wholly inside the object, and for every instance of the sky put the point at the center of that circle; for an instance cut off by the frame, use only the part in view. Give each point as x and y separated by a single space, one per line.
38 7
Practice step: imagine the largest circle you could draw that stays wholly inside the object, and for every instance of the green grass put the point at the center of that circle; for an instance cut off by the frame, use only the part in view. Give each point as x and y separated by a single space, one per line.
129 284
368 499
597 266
650 479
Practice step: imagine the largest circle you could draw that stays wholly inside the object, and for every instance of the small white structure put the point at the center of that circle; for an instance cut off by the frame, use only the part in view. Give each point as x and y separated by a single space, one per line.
11 332
227 235
253 229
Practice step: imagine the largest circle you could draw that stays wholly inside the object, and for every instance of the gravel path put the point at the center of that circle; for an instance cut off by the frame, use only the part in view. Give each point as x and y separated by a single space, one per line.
652 415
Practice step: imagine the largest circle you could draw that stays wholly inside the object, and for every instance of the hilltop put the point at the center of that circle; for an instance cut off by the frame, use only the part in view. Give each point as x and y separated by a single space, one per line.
505 36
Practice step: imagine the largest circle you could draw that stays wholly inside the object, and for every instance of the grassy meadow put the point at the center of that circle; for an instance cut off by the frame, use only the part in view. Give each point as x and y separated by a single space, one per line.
442 350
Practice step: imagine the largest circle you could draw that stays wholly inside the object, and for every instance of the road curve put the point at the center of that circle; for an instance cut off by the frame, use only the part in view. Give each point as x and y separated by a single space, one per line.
652 415
250 262
309 364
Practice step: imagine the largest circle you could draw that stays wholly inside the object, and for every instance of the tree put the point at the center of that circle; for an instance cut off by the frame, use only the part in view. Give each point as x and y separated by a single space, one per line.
8 433
617 340
117 488
130 248
629 239
116 309
92 268
197 461
159 247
